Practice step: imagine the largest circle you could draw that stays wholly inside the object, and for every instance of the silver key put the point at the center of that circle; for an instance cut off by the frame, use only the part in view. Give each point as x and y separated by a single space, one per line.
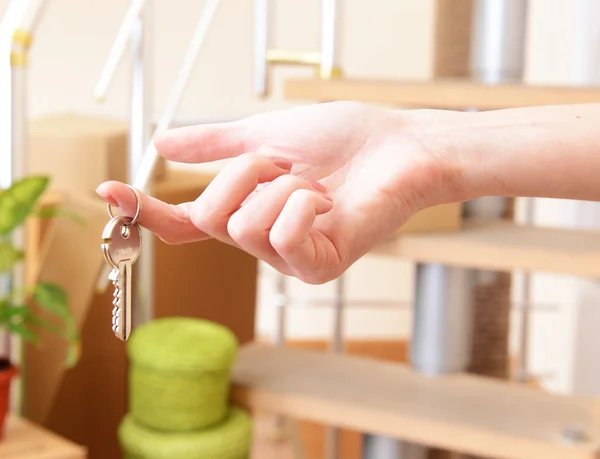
121 249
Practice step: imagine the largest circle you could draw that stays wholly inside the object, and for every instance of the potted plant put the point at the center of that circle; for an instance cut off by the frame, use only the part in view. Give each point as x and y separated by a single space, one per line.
26 308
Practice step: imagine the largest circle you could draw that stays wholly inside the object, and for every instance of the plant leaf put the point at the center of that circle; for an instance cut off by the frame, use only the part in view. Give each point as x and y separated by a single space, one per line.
19 200
69 333
16 319
9 256
52 298
21 329
53 212
73 354
10 312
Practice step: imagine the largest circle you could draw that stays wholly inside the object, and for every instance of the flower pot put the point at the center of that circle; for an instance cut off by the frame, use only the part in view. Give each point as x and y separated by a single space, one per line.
7 372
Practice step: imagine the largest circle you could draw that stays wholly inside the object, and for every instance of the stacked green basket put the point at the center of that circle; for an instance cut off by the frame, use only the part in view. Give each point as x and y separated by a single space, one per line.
179 384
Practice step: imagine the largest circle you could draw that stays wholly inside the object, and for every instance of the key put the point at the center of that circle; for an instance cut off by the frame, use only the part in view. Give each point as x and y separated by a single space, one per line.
121 313
121 249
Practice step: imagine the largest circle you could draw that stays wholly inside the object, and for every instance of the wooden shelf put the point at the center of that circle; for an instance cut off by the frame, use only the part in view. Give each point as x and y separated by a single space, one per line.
443 94
503 246
25 440
457 412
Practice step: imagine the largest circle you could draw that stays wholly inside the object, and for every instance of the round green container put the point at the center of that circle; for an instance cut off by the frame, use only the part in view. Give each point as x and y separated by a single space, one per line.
179 376
230 439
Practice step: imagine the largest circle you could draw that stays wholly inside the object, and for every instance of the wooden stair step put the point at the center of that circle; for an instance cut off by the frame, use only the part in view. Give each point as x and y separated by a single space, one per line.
453 94
460 412
503 246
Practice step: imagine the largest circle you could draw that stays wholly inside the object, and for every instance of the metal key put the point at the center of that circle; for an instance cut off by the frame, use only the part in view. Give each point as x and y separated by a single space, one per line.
121 248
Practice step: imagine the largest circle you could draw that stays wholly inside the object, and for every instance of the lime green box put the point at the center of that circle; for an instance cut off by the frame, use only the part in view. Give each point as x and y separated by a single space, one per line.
229 439
179 377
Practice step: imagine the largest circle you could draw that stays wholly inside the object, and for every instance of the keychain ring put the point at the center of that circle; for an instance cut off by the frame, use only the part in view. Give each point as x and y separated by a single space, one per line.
138 209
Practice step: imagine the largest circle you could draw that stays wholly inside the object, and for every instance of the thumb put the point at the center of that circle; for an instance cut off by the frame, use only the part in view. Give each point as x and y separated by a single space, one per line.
203 143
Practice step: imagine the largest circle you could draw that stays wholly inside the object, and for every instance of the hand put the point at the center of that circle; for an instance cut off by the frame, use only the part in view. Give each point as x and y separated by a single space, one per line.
309 191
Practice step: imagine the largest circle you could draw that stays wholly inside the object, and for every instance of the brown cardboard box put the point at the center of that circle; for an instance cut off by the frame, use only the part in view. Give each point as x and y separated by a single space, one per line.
210 280
80 151
442 218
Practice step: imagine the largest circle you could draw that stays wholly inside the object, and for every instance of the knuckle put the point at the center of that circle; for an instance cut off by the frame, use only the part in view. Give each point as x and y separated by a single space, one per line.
202 218
280 241
241 229
289 182
246 160
237 227
302 196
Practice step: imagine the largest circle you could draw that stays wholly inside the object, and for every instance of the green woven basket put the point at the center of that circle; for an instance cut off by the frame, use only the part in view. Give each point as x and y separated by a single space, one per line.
179 376
230 439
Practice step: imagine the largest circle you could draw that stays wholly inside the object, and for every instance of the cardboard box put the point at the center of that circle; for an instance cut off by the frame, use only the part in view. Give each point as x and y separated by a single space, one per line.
443 218
79 152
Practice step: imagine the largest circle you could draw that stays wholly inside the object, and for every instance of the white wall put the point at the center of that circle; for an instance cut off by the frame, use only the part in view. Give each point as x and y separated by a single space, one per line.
74 38
382 38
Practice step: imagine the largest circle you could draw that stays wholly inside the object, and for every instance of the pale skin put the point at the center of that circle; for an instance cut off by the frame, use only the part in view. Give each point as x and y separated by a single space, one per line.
311 190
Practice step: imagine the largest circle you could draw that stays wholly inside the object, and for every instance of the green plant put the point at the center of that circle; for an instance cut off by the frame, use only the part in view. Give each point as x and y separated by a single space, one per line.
25 309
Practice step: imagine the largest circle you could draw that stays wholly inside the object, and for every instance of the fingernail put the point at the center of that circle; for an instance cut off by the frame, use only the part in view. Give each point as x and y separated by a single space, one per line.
282 163
108 198
318 186
321 189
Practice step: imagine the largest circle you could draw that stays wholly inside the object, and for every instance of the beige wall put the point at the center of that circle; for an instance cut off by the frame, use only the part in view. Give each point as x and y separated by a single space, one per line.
381 38
74 38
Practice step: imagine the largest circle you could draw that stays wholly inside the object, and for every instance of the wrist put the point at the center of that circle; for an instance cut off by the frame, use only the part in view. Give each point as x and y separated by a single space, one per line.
443 137
548 152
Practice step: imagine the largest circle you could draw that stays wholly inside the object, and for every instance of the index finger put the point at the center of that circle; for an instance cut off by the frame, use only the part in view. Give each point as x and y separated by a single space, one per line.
170 223
202 143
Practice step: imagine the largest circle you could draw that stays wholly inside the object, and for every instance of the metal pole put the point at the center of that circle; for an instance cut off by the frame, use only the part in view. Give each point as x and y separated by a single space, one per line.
442 329
140 129
337 347
498 46
261 43
441 340
498 55
281 302
131 25
8 154
142 178
132 31
18 154
18 25
330 33
522 372
143 174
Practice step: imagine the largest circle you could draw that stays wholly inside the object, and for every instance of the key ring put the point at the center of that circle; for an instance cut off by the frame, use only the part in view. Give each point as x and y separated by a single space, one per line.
138 210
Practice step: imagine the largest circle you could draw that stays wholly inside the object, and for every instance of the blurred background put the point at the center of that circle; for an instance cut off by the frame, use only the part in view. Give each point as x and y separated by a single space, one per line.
379 40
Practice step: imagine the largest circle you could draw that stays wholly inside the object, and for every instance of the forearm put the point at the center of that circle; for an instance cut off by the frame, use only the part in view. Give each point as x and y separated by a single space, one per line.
549 151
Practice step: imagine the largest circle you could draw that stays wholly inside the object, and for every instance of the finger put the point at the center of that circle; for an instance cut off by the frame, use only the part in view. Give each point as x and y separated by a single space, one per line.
203 143
303 249
249 227
228 190
170 223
